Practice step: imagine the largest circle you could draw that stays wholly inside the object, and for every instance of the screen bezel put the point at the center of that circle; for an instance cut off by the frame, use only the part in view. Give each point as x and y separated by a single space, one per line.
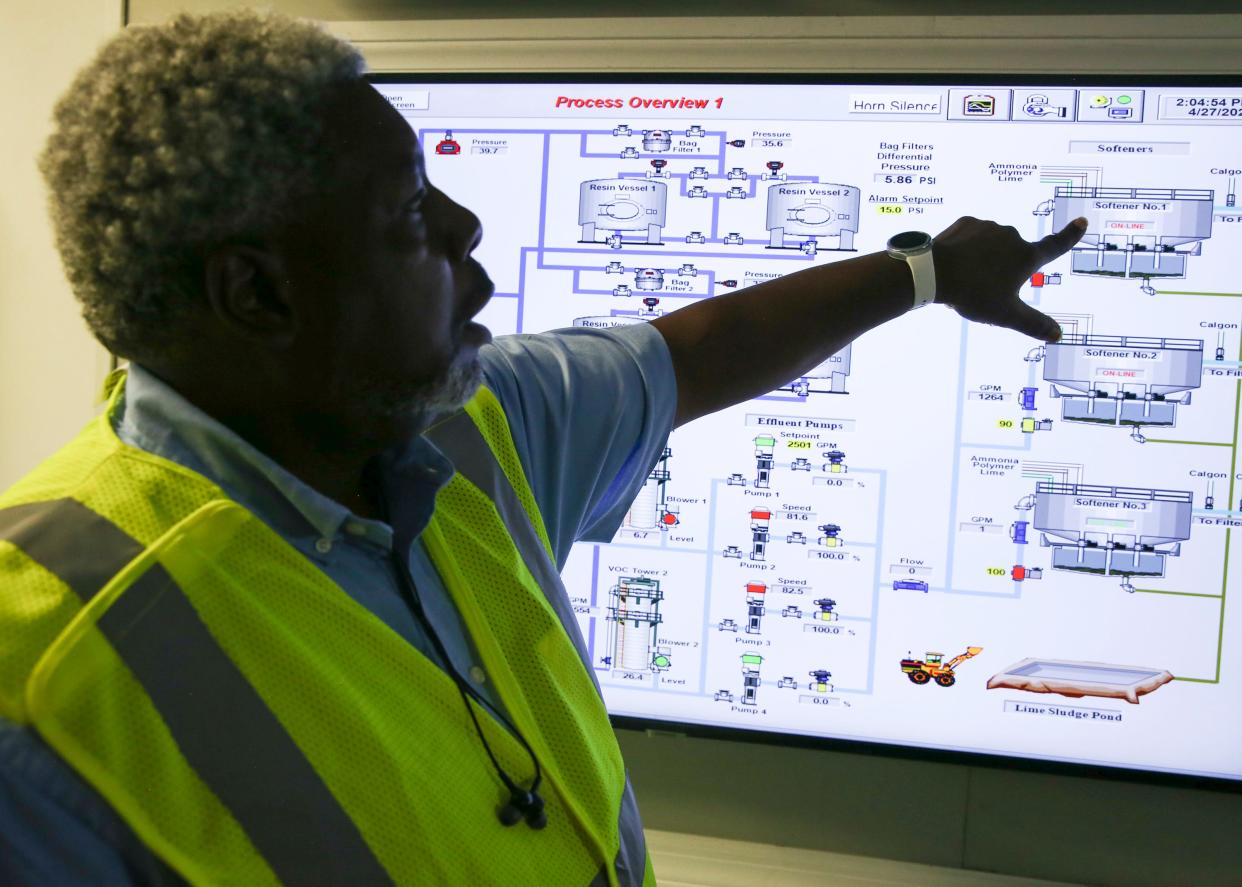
907 751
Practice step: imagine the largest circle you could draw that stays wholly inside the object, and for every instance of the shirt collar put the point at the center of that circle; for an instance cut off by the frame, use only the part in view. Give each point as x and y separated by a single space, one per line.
155 417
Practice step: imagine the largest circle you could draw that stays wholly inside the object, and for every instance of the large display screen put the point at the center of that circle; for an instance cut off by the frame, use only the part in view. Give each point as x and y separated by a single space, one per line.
946 536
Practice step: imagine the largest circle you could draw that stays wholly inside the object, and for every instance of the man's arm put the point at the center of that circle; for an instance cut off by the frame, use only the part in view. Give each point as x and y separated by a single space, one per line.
585 449
801 319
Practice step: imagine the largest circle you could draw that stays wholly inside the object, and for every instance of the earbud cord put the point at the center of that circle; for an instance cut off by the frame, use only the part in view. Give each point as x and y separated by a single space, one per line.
512 786
467 692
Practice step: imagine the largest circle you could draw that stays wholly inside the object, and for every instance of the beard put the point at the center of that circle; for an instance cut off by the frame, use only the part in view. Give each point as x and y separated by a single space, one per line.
450 392
421 403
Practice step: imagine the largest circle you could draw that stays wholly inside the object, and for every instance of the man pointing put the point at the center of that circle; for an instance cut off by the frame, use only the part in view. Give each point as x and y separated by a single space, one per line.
289 611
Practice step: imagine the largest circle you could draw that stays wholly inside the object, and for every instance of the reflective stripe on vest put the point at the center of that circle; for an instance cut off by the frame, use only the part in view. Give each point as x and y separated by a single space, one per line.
253 723
68 539
196 688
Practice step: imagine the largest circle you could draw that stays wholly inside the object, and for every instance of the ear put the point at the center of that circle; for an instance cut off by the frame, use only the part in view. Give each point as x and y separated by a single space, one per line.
247 292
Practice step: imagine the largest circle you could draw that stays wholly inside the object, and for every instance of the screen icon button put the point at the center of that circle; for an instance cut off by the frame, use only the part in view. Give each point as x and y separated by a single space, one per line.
1044 104
979 103
1111 105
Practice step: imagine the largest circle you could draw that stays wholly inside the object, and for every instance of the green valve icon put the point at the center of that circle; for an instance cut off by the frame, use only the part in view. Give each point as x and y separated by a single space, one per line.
752 659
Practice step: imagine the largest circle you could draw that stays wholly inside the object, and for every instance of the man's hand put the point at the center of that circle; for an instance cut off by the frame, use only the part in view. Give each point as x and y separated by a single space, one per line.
981 265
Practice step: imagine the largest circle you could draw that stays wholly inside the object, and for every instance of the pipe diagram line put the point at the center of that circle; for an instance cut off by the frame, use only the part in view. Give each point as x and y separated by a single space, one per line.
1224 581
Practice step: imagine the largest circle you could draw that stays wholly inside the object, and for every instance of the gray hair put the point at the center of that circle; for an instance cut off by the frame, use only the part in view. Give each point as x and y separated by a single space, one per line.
175 139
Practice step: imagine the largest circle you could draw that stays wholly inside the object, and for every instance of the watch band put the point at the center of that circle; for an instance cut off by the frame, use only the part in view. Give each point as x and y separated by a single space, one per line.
915 249
924 270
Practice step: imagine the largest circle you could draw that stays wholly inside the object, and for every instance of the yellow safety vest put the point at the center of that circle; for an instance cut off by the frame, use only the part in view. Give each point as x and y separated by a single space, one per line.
253 724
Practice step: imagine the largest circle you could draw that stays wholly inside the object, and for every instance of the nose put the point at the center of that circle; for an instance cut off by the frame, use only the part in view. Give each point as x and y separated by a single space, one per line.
462 229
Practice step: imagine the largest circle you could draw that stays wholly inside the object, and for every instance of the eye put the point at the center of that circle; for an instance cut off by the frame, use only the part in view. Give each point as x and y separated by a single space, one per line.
414 206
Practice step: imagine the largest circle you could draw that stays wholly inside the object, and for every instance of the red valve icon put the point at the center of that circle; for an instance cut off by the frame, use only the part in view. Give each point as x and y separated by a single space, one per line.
448 145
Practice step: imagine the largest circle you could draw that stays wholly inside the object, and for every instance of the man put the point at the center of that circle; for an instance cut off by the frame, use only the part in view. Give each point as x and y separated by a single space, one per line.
287 612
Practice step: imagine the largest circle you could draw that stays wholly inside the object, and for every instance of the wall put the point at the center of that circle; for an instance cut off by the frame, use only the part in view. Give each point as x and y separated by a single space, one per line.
50 367
1059 827
702 10
1062 828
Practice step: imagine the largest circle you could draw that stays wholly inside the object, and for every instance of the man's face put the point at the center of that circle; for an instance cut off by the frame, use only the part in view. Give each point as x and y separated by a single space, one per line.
381 274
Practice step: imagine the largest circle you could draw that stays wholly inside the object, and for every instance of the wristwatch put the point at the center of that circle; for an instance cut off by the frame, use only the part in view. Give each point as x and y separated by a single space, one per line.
915 249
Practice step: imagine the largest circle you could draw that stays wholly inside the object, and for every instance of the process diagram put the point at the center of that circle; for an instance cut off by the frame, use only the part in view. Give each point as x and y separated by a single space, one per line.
1062 513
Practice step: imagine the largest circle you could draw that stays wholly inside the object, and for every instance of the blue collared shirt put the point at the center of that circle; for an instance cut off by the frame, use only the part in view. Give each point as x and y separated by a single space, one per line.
589 410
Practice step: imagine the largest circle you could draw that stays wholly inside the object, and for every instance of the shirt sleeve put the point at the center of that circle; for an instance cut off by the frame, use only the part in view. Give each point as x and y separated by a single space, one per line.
55 829
590 411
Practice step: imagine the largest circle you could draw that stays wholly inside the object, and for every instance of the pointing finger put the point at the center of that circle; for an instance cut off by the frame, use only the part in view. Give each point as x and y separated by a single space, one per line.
1033 322
1061 242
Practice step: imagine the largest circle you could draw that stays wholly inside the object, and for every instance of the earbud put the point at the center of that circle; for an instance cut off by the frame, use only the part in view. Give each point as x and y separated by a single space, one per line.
524 805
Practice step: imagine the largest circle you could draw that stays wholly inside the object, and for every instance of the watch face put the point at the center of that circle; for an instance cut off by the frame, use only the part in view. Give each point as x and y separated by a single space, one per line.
908 240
